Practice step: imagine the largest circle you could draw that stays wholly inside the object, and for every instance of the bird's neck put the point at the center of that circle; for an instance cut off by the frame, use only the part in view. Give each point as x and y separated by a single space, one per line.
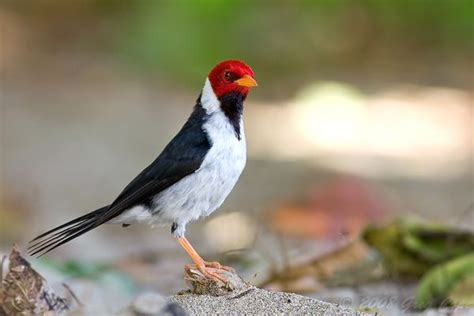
230 104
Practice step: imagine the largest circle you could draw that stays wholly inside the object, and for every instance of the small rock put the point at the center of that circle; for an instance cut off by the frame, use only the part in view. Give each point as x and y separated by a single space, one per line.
172 309
155 304
199 284
148 304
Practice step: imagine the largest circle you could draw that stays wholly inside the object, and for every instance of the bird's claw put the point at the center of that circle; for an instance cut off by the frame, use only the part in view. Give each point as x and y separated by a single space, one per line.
216 265
204 269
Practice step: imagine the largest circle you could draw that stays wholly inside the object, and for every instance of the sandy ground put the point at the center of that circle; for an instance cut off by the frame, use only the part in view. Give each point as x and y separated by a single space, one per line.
260 302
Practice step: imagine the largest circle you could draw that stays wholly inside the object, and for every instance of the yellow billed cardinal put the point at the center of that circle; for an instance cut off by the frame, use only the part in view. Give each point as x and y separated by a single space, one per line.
191 177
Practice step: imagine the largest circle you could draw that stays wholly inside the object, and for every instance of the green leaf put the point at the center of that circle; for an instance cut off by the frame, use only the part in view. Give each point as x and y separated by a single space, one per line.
439 282
410 248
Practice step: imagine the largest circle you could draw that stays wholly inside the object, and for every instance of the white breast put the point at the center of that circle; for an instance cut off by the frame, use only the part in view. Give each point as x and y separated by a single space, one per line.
202 192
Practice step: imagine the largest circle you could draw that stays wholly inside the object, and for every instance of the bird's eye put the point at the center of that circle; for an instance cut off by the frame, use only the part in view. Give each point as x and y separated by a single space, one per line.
228 76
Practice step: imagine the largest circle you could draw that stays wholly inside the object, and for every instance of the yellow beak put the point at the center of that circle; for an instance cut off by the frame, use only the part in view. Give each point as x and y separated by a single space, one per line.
246 81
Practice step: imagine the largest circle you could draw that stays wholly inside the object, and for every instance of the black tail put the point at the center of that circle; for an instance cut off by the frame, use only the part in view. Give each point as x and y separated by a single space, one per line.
62 234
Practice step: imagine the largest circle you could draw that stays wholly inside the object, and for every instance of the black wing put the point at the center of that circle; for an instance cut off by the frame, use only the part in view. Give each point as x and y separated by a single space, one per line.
181 157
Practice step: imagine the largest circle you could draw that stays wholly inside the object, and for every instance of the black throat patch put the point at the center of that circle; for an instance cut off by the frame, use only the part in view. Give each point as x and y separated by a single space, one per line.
232 104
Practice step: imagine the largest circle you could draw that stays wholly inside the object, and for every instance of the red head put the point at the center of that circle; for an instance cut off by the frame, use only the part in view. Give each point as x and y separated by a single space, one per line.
231 76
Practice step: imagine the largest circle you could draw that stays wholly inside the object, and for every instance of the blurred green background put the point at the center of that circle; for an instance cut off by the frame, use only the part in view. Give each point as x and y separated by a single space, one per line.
286 41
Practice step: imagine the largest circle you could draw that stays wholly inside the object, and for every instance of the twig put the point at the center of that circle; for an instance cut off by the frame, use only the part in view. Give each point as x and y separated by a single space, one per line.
241 294
71 292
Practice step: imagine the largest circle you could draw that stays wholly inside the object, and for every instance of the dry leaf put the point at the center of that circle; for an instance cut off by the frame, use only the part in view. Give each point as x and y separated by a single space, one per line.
24 292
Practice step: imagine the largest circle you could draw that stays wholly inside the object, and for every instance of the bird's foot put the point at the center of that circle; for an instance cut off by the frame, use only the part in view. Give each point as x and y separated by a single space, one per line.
216 265
209 270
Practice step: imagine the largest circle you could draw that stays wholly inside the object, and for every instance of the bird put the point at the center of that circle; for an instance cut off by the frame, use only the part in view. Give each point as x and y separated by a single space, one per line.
189 179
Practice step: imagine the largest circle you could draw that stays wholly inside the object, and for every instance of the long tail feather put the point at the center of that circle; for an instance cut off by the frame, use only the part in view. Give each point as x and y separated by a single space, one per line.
66 232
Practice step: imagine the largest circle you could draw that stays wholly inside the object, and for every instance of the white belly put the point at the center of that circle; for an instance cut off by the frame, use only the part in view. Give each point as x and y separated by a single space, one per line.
202 192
